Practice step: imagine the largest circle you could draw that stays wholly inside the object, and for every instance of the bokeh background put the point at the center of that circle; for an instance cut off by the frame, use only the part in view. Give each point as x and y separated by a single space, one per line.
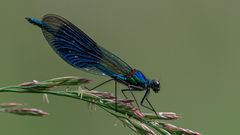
193 47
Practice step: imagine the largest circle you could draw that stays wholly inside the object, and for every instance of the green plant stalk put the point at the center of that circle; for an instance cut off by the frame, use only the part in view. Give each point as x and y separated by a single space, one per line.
126 112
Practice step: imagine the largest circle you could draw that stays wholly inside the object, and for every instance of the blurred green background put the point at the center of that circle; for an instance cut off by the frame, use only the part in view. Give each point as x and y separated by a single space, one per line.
191 46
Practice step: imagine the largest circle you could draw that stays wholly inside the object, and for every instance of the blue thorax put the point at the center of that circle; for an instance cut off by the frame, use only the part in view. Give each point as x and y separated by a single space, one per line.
136 79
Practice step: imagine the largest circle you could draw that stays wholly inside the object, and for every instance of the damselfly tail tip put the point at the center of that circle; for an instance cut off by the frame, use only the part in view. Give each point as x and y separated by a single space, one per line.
29 19
36 22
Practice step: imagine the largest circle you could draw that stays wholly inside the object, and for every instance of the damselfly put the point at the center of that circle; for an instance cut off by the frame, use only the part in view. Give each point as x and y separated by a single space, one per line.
80 51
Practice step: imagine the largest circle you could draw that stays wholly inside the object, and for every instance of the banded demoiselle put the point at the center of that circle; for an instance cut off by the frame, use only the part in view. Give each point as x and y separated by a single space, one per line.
80 51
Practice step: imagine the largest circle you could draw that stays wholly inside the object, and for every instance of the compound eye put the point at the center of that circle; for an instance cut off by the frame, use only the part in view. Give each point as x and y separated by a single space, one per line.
156 83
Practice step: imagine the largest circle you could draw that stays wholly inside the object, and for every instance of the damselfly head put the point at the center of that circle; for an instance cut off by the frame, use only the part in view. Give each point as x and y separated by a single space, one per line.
155 85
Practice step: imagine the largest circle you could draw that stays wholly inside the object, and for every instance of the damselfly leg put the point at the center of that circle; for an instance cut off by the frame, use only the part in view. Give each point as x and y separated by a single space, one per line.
115 87
101 84
145 97
131 91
